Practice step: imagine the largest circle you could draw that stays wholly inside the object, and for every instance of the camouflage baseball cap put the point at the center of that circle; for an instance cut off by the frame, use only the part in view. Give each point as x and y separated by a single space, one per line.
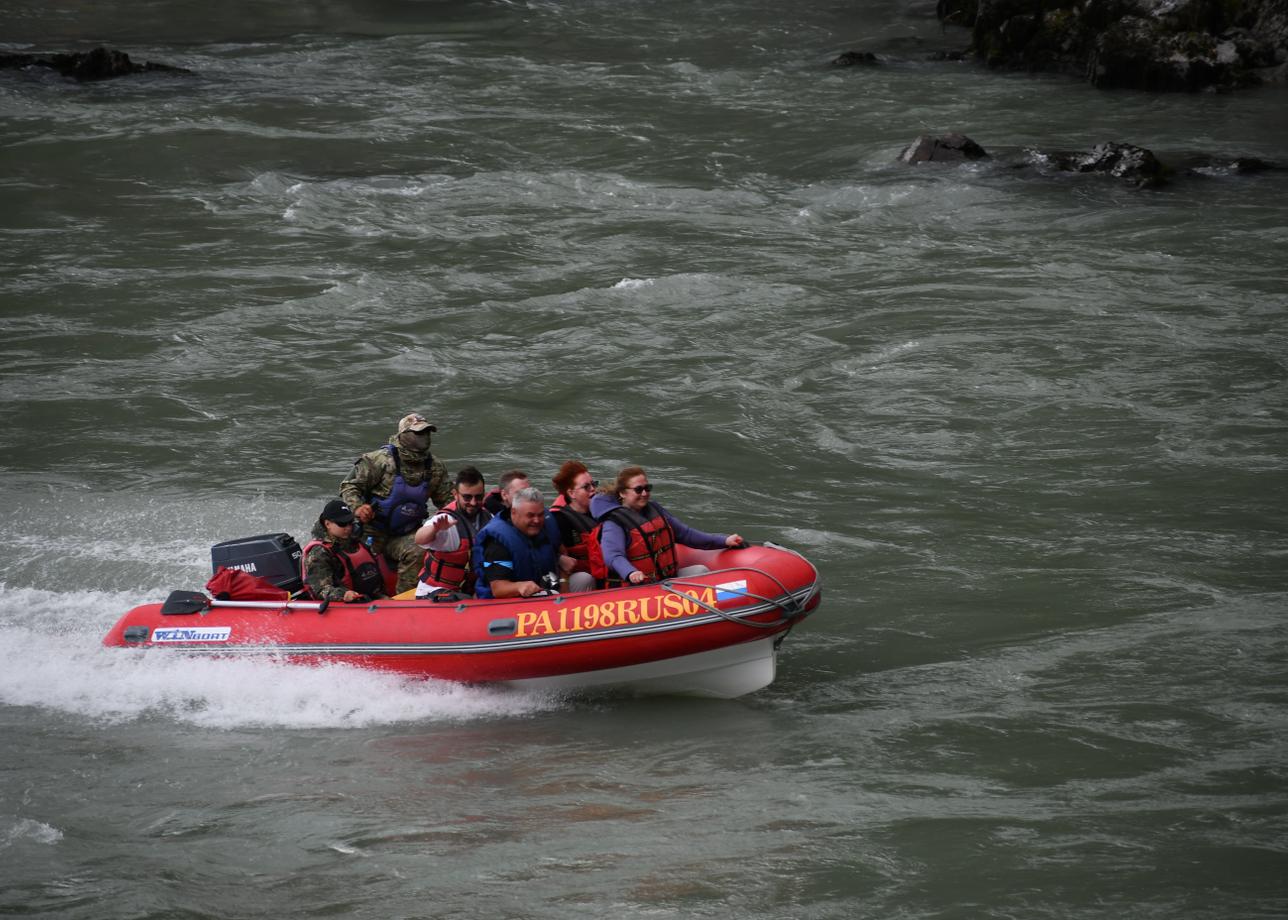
414 422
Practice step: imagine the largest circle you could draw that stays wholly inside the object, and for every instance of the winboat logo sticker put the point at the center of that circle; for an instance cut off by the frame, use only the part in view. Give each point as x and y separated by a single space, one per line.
192 634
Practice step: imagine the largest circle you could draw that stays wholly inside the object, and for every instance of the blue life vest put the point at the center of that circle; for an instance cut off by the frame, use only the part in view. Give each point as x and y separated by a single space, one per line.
404 508
533 558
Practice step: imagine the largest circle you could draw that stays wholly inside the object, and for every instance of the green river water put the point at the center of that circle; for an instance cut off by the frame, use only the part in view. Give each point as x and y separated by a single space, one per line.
1030 428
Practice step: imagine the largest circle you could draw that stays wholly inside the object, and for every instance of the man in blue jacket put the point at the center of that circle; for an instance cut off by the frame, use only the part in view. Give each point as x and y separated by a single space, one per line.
517 553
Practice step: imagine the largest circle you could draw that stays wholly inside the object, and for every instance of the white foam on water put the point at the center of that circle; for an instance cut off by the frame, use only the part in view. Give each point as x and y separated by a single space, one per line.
14 830
52 657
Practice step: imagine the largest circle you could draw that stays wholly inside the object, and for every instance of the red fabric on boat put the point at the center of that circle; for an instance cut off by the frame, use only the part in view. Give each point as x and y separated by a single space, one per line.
236 585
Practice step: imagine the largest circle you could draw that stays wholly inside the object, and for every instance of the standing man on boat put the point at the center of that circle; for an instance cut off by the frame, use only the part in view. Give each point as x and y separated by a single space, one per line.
389 491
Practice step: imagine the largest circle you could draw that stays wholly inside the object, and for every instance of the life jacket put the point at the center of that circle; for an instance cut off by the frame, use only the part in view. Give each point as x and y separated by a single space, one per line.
357 568
650 541
533 559
404 508
586 550
453 570
493 503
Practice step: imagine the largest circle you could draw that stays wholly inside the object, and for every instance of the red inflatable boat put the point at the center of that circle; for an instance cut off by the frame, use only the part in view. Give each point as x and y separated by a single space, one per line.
715 634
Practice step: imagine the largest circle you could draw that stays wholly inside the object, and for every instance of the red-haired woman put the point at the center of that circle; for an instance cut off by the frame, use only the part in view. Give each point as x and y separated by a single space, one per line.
571 511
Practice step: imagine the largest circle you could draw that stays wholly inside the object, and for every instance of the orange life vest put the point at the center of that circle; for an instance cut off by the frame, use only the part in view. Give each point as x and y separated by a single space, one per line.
650 545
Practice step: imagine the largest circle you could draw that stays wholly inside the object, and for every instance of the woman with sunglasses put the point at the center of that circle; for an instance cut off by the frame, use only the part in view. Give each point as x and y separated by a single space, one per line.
571 511
638 536
336 567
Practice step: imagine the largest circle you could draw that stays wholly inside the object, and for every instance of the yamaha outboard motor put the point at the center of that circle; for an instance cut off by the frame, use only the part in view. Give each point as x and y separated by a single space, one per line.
274 557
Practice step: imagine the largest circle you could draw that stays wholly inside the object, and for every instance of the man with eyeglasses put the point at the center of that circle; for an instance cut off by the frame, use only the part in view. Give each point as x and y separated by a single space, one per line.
336 567
449 536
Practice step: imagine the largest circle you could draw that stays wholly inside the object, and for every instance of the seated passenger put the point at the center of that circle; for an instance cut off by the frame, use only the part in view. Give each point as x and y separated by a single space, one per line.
511 481
335 566
449 538
517 552
638 536
571 511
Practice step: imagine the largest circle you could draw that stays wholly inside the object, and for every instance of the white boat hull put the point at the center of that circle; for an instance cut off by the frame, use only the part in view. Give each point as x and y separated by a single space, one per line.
722 673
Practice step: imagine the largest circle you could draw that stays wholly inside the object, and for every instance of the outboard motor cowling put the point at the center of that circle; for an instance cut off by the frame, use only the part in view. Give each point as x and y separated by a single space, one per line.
274 557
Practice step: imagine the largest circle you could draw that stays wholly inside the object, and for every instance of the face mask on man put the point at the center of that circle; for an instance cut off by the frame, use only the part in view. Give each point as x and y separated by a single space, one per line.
414 440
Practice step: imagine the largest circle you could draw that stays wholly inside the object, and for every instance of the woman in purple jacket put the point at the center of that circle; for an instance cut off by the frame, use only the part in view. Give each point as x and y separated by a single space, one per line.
638 536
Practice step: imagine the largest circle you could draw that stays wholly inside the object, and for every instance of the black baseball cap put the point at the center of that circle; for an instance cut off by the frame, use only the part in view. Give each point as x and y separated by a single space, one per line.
338 512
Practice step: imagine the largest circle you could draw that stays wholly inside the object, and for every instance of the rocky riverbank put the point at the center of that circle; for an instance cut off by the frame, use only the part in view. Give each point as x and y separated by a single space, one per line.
1159 45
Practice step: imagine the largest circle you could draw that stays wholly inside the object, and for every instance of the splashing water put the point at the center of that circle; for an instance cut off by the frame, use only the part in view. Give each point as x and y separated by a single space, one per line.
52 658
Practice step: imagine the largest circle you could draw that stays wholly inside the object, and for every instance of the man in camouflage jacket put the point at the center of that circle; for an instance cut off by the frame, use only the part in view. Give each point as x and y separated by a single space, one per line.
372 479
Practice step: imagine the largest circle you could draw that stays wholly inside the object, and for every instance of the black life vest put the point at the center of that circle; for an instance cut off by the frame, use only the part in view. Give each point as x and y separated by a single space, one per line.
585 549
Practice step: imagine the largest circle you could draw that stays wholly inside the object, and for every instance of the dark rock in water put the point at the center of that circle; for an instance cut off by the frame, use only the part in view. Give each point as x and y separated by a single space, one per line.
1229 166
856 59
1160 45
1242 165
18 61
896 54
99 64
1135 165
942 148
1121 161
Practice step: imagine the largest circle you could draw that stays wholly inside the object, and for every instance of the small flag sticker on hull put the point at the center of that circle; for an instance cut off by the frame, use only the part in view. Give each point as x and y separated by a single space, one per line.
731 590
